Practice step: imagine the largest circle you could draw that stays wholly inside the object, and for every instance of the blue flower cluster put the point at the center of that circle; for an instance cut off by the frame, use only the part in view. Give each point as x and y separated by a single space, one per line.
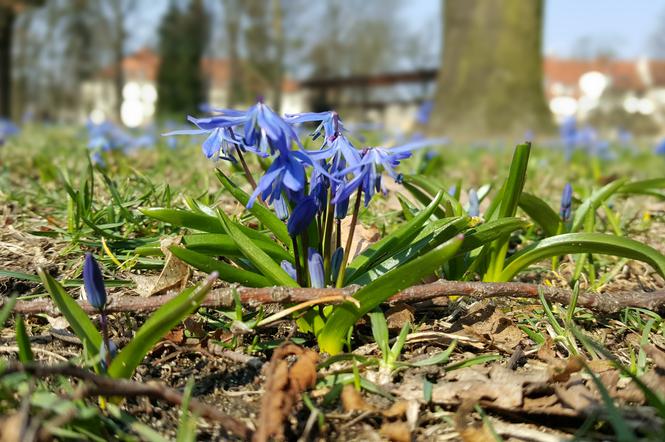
337 169
106 136
305 186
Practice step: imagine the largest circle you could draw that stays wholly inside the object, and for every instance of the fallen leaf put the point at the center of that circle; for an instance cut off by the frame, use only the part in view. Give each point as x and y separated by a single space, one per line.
399 315
395 431
398 409
284 386
175 274
352 400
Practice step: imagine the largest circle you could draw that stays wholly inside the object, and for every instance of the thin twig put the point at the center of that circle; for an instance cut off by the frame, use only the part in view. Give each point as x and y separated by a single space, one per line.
610 302
97 385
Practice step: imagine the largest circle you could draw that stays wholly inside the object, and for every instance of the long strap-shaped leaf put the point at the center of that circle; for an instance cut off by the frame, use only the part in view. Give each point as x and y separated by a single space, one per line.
583 243
345 315
154 329
540 212
196 221
76 317
223 245
431 236
258 257
392 243
594 201
264 215
226 271
426 185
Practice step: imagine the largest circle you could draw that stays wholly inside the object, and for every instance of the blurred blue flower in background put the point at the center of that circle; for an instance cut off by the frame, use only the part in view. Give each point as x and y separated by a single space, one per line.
7 129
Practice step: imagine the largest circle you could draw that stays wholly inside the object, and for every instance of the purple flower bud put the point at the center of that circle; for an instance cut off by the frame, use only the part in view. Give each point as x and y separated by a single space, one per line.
336 262
302 215
288 268
103 351
315 264
474 204
93 281
281 208
566 202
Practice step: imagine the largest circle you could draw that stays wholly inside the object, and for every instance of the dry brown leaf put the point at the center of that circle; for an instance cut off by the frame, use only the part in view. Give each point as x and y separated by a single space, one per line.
177 336
399 315
492 326
363 236
398 409
284 385
468 429
352 400
175 274
396 431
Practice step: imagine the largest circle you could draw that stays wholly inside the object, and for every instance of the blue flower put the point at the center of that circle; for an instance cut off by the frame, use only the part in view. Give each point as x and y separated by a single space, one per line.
280 207
7 129
424 112
315 266
330 123
221 141
93 281
374 162
566 202
302 215
474 205
288 268
262 128
286 173
660 148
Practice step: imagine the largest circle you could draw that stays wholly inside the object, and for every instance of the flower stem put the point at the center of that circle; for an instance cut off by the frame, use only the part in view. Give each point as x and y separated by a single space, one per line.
327 240
248 174
349 239
296 258
103 322
305 252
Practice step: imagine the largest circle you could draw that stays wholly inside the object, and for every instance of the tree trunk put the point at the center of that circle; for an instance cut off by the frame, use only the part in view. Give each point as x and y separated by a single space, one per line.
7 17
491 78
118 54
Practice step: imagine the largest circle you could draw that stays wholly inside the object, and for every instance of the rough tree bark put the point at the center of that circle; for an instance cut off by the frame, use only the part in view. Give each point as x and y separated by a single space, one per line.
491 78
7 18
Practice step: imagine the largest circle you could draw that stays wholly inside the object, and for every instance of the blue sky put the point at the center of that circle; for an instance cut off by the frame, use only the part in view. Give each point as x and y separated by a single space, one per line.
624 25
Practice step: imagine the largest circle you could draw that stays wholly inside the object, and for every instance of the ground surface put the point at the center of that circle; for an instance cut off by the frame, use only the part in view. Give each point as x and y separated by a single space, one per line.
510 376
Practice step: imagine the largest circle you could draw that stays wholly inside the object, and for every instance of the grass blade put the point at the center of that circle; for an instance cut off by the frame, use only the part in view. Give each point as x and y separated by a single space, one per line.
594 201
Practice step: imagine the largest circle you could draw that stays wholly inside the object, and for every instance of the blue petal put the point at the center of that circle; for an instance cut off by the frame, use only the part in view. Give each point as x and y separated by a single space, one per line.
93 282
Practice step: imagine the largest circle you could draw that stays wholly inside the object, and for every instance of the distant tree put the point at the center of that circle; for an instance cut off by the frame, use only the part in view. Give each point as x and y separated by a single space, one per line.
9 11
183 37
491 77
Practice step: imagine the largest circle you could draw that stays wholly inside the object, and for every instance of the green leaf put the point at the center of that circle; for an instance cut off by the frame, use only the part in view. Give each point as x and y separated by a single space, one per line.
157 325
9 303
408 209
221 244
345 315
418 182
23 342
594 201
645 187
392 243
489 231
431 236
75 315
539 211
197 221
226 271
263 214
185 218
436 359
258 257
515 182
583 243
380 331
